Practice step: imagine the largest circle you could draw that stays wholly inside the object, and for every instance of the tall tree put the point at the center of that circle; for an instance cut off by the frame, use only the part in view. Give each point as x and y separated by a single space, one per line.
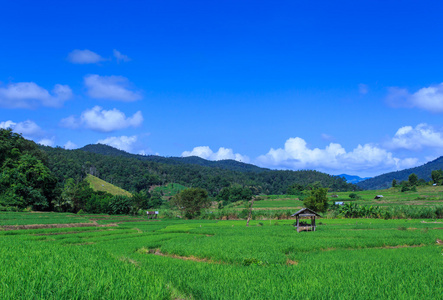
317 200
413 179
191 201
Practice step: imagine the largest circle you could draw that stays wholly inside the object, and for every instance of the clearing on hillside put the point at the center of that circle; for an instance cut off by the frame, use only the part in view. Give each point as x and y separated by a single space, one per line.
98 184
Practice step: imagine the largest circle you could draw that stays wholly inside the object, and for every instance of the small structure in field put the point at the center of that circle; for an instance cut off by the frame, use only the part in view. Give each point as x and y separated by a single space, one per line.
305 213
339 203
334 196
378 196
152 214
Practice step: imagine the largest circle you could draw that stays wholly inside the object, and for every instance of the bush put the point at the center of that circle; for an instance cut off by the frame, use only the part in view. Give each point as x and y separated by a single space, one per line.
354 196
119 205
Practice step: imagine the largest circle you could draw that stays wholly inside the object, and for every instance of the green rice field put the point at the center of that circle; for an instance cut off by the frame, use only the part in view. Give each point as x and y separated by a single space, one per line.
135 258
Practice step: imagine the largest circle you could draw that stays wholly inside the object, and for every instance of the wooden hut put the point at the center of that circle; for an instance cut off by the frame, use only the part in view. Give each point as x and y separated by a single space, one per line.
152 214
305 213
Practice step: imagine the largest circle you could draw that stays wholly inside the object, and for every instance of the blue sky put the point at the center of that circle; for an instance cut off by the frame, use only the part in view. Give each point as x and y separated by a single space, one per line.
338 86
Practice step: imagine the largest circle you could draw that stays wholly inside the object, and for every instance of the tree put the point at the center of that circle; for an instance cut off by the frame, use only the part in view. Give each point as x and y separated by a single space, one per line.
191 201
25 181
317 200
413 179
394 182
437 176
139 201
119 205
74 196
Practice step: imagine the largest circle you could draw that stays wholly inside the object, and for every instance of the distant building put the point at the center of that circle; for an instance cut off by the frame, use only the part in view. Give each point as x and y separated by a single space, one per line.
378 196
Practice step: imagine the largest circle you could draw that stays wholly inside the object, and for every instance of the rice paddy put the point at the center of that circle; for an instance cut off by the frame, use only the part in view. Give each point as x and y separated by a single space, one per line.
209 259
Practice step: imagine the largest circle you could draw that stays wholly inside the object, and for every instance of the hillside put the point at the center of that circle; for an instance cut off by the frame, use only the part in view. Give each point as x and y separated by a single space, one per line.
136 172
385 180
98 184
227 164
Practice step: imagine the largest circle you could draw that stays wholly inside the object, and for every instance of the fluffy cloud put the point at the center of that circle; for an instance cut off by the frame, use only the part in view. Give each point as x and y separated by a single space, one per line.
111 88
70 145
46 142
124 143
222 153
416 138
120 57
27 128
297 155
84 57
103 120
30 95
427 98
30 130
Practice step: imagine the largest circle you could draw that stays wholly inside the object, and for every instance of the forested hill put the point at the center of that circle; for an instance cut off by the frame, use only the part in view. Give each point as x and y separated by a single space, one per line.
136 173
227 164
385 180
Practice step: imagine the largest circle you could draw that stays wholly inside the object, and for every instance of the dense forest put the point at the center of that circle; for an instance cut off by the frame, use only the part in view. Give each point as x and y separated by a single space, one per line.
136 172
385 180
52 179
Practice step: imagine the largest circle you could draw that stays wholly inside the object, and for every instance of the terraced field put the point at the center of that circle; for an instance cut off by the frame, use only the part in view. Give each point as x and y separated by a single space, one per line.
135 258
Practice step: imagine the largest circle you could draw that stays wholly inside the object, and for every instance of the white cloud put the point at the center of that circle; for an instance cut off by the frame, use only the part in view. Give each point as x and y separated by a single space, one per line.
84 57
222 153
103 120
423 135
70 145
297 155
121 57
7 124
30 95
27 128
122 142
427 98
111 88
46 142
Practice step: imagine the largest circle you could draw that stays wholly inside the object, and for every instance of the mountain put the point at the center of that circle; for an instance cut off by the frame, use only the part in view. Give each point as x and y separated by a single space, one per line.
138 172
352 178
227 164
385 180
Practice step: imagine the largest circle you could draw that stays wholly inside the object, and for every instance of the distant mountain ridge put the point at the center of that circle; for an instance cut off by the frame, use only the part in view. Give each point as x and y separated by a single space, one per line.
138 172
352 178
385 180
227 164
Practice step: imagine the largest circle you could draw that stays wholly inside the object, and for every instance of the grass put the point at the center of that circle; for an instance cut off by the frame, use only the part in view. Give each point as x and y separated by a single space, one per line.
343 259
98 184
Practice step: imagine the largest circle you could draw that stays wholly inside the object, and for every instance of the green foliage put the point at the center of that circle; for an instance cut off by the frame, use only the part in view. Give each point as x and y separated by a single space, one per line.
394 182
234 194
413 179
24 179
354 196
136 173
295 189
437 176
191 201
317 200
119 205
353 210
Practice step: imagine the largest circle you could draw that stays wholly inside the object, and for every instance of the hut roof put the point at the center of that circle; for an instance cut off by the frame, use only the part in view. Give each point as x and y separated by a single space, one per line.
306 212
